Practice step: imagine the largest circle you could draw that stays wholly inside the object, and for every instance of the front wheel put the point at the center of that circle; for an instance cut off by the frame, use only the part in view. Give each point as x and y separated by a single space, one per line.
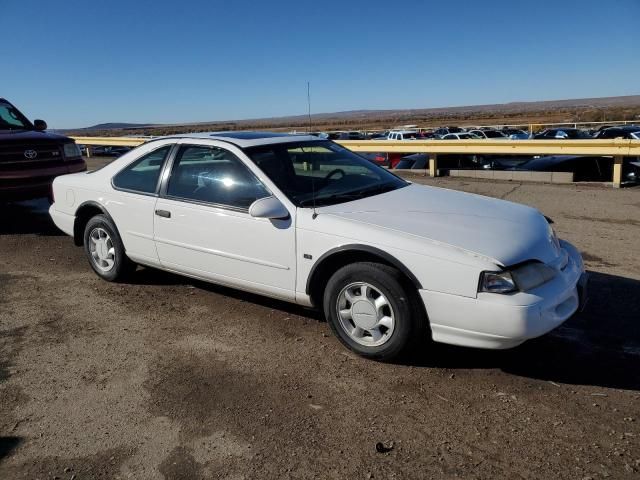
372 310
105 249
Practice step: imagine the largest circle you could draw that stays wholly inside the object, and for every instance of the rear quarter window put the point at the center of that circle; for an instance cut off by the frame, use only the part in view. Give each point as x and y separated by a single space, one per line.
142 175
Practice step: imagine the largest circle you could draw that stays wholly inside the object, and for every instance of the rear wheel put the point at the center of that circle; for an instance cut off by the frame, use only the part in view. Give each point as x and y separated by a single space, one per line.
105 250
372 310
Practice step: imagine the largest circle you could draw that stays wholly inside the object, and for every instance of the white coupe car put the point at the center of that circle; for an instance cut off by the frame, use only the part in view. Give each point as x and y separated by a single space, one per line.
308 221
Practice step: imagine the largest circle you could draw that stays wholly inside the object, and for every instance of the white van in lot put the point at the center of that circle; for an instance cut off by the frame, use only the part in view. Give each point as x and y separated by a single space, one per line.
403 135
307 221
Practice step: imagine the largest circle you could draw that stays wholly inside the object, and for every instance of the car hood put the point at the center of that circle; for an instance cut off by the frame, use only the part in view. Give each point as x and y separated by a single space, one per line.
505 233
30 136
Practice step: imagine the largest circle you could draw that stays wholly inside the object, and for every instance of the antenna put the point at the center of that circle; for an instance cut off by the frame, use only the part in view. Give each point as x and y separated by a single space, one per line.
313 182
309 105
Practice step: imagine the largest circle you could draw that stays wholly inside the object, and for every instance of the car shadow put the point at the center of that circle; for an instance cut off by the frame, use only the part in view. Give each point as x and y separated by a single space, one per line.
599 346
152 276
28 217
8 445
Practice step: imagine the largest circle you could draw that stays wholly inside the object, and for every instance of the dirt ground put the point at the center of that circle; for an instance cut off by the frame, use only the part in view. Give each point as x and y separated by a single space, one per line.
163 377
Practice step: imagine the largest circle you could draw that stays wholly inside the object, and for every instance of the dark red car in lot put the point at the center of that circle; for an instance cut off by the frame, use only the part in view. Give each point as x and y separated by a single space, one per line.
30 157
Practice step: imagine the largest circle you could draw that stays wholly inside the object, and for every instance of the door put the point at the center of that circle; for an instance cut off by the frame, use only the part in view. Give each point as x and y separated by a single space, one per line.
202 226
133 200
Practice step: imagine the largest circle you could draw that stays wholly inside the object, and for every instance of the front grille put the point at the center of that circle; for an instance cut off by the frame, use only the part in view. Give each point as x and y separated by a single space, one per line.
12 157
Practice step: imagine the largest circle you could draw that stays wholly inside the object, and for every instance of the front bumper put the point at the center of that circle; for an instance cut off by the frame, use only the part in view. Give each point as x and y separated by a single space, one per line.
505 321
35 182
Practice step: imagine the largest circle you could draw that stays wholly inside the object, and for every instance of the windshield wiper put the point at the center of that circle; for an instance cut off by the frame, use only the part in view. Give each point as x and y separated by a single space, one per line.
351 195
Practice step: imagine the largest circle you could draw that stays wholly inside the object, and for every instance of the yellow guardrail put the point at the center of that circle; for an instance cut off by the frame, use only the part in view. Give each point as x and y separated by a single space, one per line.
618 148
111 141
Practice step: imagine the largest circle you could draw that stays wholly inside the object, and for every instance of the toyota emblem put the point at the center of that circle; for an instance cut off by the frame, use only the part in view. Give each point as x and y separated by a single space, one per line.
30 154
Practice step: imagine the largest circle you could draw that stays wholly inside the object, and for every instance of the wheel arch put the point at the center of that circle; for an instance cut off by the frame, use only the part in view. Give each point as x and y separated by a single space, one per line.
84 213
338 257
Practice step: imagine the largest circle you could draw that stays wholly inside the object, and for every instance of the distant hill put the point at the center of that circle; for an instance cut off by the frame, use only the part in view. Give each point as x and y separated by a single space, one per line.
571 110
109 126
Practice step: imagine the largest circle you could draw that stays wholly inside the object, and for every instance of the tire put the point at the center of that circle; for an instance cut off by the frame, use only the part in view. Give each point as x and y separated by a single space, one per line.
107 256
364 283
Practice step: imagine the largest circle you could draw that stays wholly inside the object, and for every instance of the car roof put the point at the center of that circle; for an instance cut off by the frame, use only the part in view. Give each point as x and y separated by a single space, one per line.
551 160
626 128
245 139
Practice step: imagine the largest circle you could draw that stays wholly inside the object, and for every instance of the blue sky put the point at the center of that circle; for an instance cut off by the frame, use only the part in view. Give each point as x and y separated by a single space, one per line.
77 63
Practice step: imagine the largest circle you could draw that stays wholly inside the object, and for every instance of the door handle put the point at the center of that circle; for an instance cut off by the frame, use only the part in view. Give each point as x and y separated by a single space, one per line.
163 213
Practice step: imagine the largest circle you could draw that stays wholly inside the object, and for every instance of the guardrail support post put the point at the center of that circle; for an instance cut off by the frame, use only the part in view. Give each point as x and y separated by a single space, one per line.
617 171
433 165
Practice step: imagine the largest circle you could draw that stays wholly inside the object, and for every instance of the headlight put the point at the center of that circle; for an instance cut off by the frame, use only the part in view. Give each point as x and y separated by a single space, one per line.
497 282
532 275
72 150
553 238
522 278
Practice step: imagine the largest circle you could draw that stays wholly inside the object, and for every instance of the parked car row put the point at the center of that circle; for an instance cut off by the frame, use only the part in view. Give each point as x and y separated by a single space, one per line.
460 133
107 151
584 168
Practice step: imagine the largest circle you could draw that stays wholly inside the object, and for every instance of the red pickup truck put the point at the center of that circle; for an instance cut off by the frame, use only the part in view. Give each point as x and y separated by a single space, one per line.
30 157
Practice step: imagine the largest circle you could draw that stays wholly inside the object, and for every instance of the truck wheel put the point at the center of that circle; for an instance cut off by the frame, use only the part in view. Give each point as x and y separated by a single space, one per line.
372 310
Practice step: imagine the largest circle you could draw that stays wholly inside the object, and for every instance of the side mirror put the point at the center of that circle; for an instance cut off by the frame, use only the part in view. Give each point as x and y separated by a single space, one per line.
268 207
40 125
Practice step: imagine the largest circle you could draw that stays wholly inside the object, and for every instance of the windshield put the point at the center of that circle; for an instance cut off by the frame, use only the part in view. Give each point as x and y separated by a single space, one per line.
321 169
12 119
579 134
493 134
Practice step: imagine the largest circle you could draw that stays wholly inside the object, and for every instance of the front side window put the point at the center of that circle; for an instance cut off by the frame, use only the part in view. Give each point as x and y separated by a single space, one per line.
213 175
321 172
142 175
